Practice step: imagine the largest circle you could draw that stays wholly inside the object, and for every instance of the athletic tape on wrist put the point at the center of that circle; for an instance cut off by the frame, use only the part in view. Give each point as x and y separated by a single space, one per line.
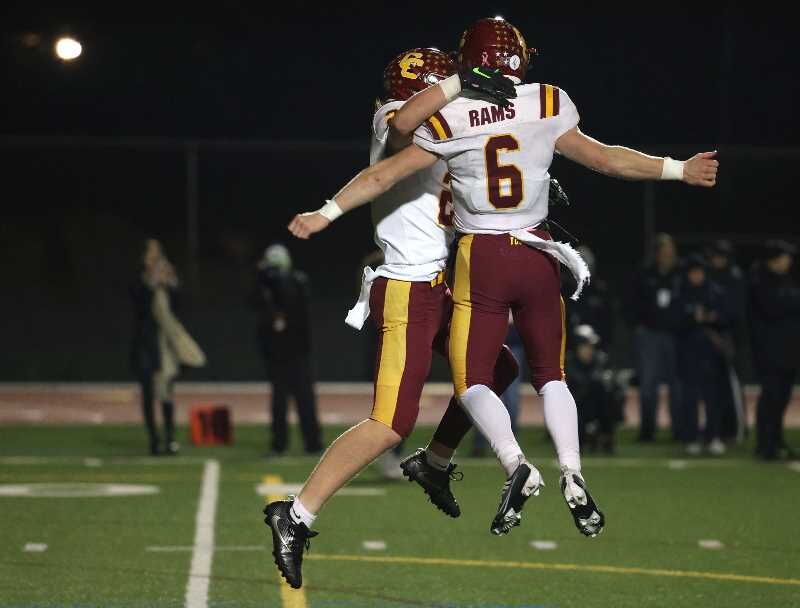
330 210
672 169
451 86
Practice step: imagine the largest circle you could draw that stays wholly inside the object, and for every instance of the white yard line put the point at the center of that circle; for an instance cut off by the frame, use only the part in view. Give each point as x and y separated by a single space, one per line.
35 547
203 550
677 465
374 545
544 545
151 461
188 548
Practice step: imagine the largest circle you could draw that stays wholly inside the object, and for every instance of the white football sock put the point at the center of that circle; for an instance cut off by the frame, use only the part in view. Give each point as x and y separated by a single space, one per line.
299 514
491 418
561 418
436 461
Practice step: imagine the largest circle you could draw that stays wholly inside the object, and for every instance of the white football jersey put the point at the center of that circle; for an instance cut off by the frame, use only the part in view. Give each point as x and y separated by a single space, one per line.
499 158
413 220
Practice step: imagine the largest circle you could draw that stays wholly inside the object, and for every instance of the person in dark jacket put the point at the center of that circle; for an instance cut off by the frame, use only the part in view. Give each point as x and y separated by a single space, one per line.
655 318
147 354
597 389
724 271
284 333
775 337
595 307
704 349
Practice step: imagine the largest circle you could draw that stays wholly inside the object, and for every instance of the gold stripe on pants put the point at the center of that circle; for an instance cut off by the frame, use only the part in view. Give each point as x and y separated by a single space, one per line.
462 313
393 350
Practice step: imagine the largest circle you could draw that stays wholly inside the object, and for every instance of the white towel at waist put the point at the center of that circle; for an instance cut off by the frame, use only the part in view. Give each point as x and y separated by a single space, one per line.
357 316
563 252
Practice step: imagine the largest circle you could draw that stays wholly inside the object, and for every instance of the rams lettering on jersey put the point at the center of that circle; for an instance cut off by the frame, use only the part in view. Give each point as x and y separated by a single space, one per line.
491 114
499 158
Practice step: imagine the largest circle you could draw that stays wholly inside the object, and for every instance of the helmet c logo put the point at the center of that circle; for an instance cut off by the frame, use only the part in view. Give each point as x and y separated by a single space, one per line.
409 61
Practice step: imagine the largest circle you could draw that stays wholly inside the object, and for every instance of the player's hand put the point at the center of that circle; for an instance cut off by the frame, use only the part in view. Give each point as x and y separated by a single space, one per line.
305 224
489 85
701 169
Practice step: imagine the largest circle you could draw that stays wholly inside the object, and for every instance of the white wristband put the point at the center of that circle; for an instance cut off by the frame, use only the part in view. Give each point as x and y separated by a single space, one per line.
672 169
451 86
330 210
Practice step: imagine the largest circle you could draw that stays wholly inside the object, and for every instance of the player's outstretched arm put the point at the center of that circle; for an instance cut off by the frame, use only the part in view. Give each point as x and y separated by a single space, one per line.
625 163
489 85
365 187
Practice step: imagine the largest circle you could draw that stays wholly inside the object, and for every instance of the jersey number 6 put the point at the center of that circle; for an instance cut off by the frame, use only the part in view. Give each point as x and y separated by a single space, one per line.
504 182
446 204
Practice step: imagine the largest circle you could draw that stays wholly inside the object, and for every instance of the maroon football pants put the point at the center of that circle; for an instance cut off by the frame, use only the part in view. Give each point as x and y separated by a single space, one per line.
495 273
413 320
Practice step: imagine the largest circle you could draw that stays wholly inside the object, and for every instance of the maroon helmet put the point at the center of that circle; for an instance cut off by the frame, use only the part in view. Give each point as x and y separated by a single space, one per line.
494 43
414 71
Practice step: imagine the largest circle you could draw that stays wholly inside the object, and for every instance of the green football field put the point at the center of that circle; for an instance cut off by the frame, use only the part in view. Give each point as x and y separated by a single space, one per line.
680 532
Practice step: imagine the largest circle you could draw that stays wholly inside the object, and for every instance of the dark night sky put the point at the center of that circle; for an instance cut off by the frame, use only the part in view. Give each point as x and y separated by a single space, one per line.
674 77
680 73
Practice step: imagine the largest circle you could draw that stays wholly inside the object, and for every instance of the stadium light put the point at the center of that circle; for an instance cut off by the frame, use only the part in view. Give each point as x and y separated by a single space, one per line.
68 49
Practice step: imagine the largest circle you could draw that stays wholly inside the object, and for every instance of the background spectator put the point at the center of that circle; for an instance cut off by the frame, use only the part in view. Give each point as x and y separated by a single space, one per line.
284 333
160 343
655 320
598 392
775 335
724 271
704 350
595 307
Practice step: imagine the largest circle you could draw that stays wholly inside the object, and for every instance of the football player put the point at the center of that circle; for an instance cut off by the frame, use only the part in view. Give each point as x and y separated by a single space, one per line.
498 156
410 303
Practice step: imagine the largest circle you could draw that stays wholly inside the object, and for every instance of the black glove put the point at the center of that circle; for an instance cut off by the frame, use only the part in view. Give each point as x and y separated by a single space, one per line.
489 85
556 196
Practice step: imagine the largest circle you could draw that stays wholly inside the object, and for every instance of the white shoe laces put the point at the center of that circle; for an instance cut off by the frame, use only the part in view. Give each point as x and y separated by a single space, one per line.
573 493
534 483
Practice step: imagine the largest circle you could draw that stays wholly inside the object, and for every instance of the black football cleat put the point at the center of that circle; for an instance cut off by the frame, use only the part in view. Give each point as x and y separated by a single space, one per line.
288 541
524 482
589 519
434 482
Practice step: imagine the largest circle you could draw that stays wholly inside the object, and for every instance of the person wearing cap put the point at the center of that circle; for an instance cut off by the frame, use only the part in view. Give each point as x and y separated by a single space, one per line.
775 337
598 394
724 271
282 302
654 315
704 343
